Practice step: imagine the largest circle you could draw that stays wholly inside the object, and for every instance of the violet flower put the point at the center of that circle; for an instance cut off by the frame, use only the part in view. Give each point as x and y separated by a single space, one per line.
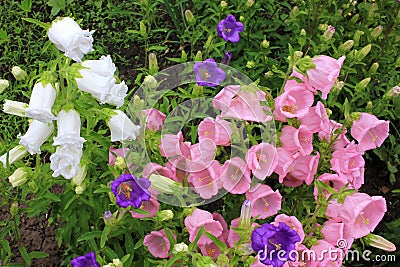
88 260
208 73
227 58
229 29
274 244
130 191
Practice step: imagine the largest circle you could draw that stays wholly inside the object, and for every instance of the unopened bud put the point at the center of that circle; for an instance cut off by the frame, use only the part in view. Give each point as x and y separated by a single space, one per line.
294 11
198 57
120 163
357 36
379 242
19 73
19 177
189 17
208 42
223 260
164 184
153 65
165 215
268 74
363 52
80 189
109 218
265 44
369 106
250 64
223 4
179 248
227 58
250 3
372 8
3 85
297 55
78 179
346 46
329 32
183 56
245 215
355 18
395 91
377 31
241 18
303 32
14 209
374 67
15 107
142 29
362 85
150 82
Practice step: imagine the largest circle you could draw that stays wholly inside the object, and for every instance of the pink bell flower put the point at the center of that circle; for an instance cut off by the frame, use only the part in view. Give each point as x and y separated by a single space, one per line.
218 130
262 159
316 118
297 140
235 176
153 119
266 202
158 244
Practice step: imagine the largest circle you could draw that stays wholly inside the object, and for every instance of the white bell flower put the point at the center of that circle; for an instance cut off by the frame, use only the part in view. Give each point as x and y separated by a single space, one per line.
117 94
65 161
42 99
122 128
69 129
68 37
37 133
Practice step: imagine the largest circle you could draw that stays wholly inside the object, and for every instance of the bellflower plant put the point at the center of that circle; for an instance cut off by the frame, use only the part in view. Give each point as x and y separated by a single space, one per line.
88 260
130 190
208 73
229 29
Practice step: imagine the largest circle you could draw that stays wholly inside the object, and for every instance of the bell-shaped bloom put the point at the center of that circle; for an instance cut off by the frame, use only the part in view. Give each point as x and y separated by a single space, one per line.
151 206
97 77
302 169
37 133
15 108
293 103
206 182
116 94
369 131
13 155
323 76
85 261
285 160
235 102
333 180
200 218
65 161
173 146
201 156
235 176
218 130
297 139
334 131
122 128
279 238
320 257
130 191
68 37
210 250
42 99
158 244
207 73
262 160
360 212
68 129
349 163
292 222
153 119
316 118
229 29
336 234
266 202
154 168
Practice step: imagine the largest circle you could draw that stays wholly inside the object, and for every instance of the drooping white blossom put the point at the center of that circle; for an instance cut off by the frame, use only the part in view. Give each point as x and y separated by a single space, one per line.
122 128
37 133
42 99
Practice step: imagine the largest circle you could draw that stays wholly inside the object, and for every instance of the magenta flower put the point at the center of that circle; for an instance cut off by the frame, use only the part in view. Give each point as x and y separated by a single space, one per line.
369 131
279 238
88 260
130 191
201 218
262 159
158 244
208 73
229 29
154 119
266 202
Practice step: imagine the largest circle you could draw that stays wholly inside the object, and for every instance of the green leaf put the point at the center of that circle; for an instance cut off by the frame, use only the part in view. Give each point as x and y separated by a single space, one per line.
38 255
193 245
102 190
221 245
175 259
25 255
103 239
89 236
45 26
52 196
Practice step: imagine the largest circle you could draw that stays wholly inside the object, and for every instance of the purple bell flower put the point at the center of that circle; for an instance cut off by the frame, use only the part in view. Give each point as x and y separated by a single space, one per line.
88 260
229 29
130 191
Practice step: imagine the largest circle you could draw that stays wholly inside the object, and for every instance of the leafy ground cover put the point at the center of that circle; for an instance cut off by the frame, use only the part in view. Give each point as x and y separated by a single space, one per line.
40 225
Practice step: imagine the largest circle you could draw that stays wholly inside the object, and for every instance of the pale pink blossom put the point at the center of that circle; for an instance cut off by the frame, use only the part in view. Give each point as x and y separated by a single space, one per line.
206 182
158 244
333 232
316 119
172 145
218 130
153 119
297 139
151 206
266 202
322 258
302 169
235 176
262 159
285 160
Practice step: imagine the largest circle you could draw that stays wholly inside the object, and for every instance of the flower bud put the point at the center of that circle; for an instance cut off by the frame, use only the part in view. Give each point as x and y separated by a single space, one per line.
363 52
164 184
303 32
395 91
13 155
179 248
371 11
346 46
329 32
379 242
297 55
268 74
362 85
19 73
223 4
198 57
265 44
142 29
241 18
183 56
153 65
223 260
227 58
3 85
164 215
150 82
15 108
80 189
189 17
250 64
109 218
19 177
245 215
374 67
357 36
377 31
78 179
250 3
208 42
294 11
369 107
14 209
355 18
